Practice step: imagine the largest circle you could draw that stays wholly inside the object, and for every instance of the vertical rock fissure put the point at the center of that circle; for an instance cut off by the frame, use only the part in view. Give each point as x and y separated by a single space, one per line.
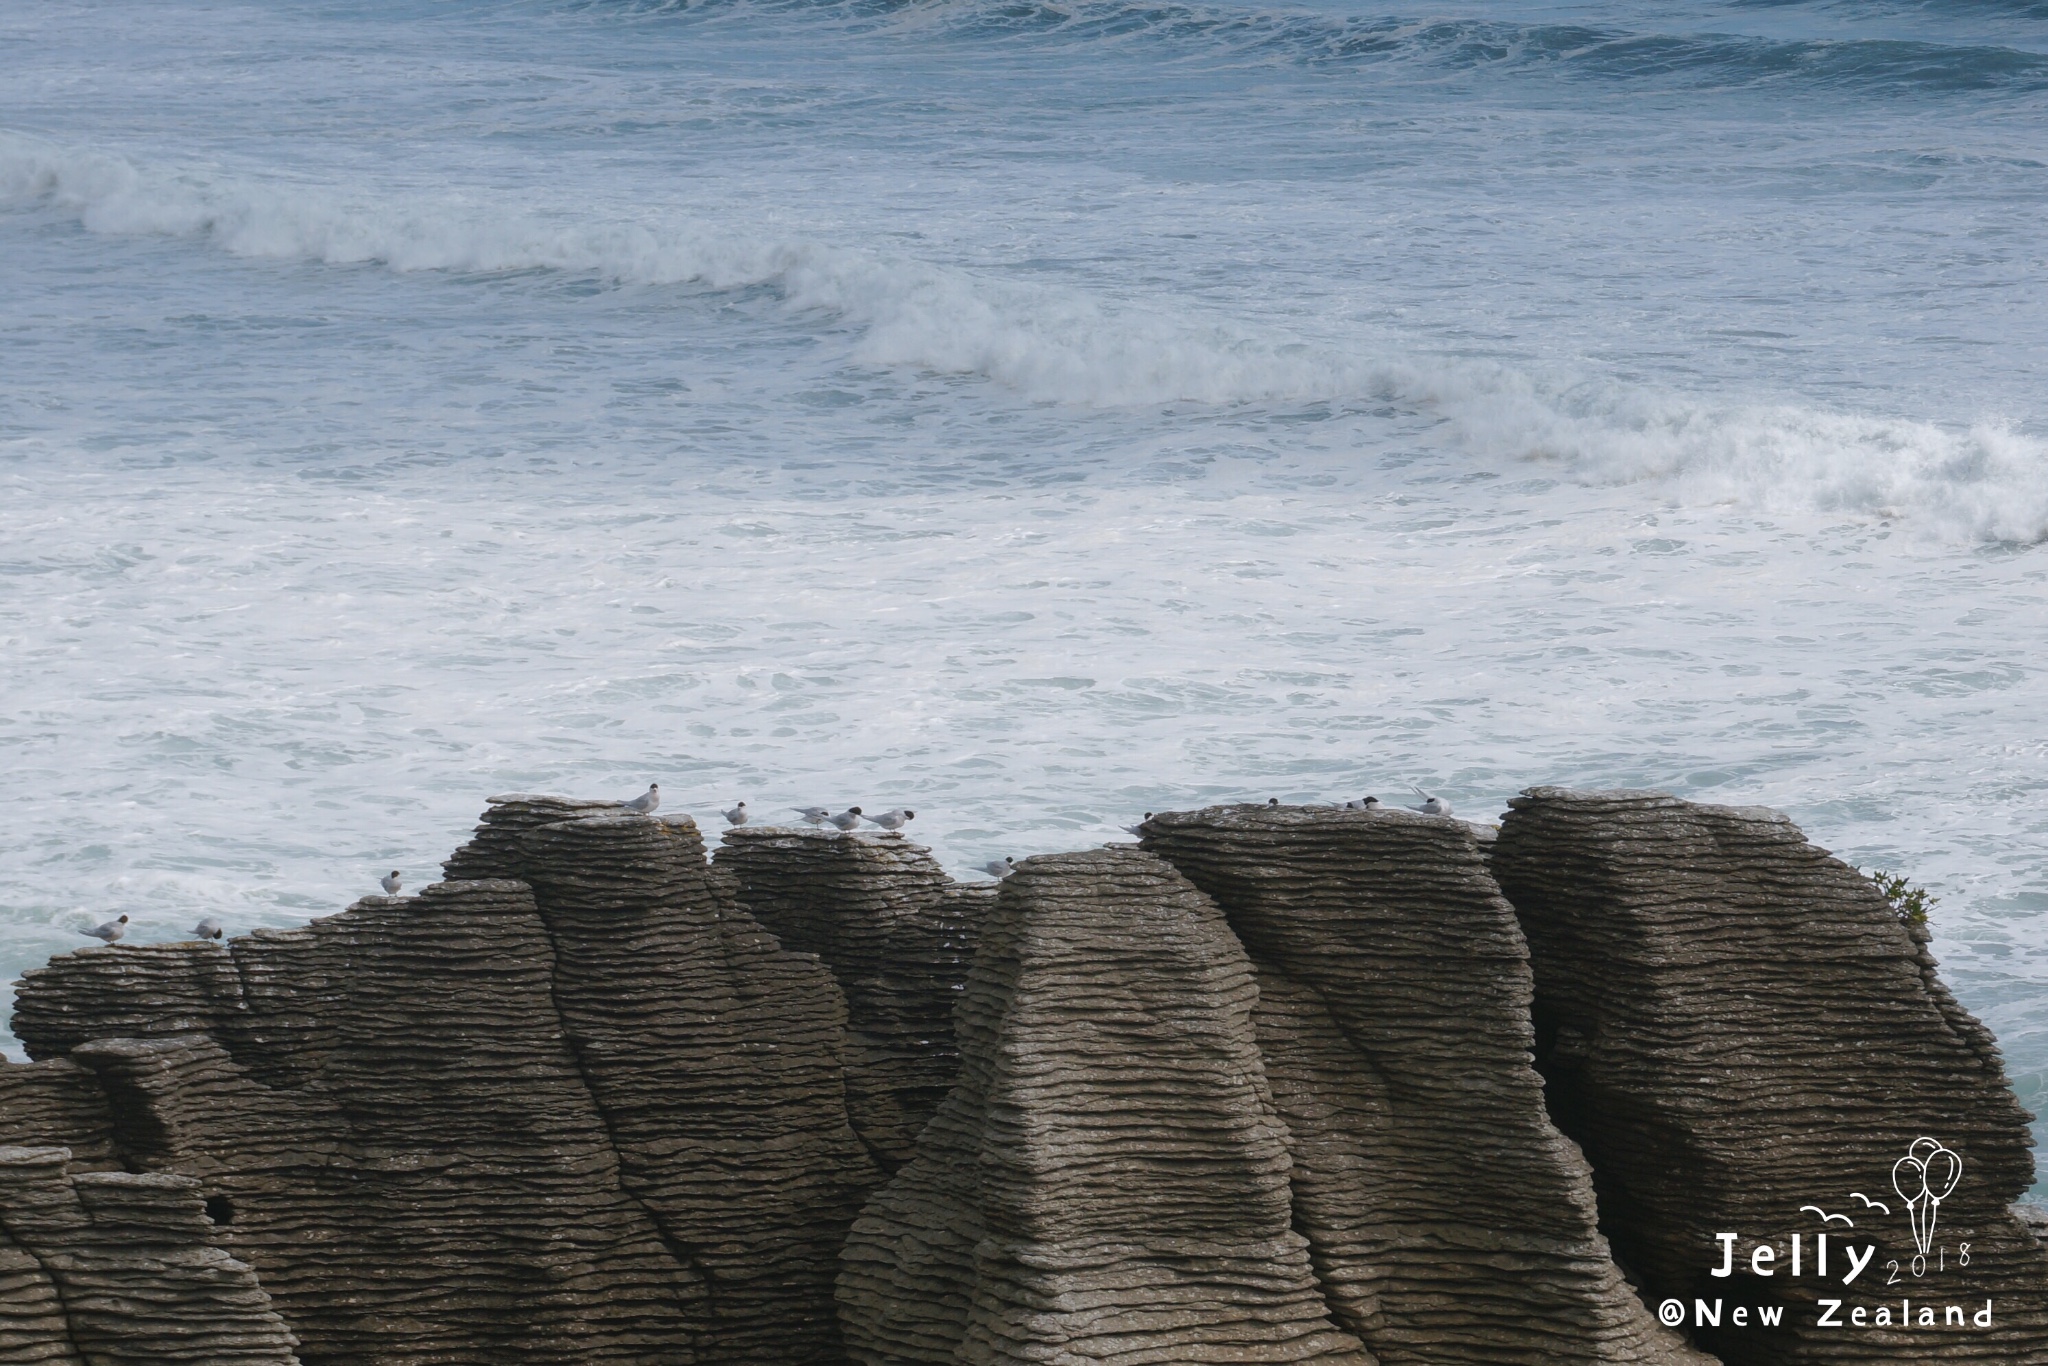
64 1303
677 1247
1742 1033
1449 1222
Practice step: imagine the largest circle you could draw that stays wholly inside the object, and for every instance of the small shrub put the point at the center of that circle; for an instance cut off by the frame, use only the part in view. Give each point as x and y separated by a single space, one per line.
1910 903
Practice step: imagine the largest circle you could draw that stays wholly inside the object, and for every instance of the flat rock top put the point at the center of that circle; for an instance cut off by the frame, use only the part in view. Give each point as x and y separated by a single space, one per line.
1620 799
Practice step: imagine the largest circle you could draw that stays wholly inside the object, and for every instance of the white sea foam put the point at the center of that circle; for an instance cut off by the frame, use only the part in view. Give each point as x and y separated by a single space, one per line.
1059 344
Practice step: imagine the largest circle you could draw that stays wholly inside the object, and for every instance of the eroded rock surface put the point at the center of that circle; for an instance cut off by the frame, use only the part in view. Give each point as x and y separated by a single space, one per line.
897 934
57 1104
717 1058
116 1269
442 1187
1735 1026
1449 1221
1260 1092
1108 1181
604 1125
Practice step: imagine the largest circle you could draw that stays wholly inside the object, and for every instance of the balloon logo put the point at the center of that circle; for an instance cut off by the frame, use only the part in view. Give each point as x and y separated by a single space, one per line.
1925 1177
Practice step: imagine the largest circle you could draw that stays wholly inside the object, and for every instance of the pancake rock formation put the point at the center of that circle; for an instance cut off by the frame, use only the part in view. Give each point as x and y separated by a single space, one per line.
116 1269
568 1106
1448 1219
1109 1180
898 936
1740 1031
1278 1085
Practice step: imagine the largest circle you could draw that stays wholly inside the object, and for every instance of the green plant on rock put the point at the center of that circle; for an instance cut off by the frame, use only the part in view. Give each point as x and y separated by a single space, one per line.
1910 903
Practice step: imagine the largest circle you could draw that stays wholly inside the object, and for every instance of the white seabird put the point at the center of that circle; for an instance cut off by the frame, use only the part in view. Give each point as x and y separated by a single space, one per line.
845 820
813 815
1363 804
1432 806
736 816
890 820
646 801
1137 829
208 928
110 931
999 867
391 882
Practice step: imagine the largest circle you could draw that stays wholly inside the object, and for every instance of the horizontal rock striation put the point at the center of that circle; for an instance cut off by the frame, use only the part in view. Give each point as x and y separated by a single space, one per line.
1736 1026
605 1124
1281 1086
898 936
1448 1220
717 1058
116 1269
57 1104
443 1187
1108 1182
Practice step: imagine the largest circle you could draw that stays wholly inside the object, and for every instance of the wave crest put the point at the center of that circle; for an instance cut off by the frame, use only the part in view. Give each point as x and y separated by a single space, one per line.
1874 66
1988 482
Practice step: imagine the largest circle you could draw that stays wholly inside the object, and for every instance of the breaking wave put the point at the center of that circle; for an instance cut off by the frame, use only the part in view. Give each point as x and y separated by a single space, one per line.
1988 482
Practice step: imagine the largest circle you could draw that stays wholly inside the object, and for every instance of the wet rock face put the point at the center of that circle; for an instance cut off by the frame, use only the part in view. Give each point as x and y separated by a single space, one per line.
117 1269
897 934
1736 1026
1109 1180
1448 1220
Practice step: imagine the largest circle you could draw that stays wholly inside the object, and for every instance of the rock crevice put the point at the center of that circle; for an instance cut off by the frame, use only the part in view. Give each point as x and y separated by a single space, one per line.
1739 1030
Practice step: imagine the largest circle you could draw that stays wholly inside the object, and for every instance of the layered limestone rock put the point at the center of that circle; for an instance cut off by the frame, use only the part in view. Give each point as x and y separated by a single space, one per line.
1260 1092
1745 1038
718 1060
897 934
605 1126
1448 1220
57 1104
116 1269
1108 1182
442 1187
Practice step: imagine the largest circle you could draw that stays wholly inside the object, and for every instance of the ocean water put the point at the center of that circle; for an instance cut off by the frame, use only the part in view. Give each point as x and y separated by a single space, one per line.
1029 413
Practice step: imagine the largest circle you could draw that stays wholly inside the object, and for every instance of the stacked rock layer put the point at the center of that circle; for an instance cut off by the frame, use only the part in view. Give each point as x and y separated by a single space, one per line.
442 1186
1109 1181
604 1125
1259 1092
116 1269
897 934
1746 1039
1448 1220
717 1059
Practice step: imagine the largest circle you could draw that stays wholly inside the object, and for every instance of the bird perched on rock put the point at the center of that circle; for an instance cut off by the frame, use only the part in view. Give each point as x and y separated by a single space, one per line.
646 801
1137 829
891 820
736 816
845 820
1363 804
208 928
1272 801
999 867
112 930
1432 806
391 882
813 815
